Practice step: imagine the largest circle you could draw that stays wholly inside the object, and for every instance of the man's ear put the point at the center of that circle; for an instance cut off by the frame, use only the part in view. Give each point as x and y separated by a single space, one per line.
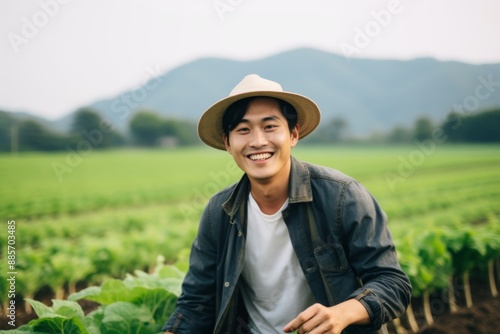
226 143
295 135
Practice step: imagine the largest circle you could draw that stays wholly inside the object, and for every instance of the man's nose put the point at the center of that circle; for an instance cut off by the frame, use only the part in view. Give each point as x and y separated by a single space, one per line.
259 139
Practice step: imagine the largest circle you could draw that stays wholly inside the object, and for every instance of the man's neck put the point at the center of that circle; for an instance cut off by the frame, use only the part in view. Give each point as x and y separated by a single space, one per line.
270 195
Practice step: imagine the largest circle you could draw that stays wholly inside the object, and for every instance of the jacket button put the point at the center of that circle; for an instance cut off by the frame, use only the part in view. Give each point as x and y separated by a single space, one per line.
226 284
240 234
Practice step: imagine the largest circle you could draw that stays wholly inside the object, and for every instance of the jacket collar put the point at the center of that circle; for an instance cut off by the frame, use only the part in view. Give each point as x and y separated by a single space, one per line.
299 190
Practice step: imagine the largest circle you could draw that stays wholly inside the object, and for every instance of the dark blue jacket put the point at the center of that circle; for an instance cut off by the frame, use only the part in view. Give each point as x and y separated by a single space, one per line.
355 258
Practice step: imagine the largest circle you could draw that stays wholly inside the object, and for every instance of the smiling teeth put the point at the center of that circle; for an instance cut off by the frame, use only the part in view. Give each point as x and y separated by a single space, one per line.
262 156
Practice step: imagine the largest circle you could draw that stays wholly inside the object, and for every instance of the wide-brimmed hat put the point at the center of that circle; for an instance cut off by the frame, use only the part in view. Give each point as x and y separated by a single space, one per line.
210 124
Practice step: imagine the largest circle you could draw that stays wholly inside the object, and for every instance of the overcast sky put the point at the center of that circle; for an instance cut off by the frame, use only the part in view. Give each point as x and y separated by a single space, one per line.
57 55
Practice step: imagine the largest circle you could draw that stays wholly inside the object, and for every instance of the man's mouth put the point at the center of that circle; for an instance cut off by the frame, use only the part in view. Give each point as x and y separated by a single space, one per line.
260 156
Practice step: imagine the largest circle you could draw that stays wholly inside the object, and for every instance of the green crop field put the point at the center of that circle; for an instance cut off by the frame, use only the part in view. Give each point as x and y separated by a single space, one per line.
79 220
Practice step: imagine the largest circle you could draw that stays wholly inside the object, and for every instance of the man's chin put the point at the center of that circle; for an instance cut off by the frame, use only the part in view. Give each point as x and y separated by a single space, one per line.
260 177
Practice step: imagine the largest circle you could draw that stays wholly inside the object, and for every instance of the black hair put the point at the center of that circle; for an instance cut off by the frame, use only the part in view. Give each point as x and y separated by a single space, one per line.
236 111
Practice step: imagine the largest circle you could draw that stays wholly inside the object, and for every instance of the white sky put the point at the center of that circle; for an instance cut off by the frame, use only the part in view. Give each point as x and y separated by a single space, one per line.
57 55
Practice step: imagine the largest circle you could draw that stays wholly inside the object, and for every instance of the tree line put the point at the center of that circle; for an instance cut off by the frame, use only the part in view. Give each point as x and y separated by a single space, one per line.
478 127
148 129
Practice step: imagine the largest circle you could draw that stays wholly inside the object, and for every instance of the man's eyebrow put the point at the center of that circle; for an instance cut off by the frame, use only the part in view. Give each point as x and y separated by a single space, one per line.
265 119
270 118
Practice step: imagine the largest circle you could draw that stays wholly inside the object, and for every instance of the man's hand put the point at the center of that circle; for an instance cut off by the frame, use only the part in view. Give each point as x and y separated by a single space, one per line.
319 319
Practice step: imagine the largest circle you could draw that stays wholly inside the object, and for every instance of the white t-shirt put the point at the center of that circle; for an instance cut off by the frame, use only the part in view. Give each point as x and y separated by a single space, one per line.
274 289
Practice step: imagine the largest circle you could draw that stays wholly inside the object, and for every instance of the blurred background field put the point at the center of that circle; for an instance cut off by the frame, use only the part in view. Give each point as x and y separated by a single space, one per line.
117 210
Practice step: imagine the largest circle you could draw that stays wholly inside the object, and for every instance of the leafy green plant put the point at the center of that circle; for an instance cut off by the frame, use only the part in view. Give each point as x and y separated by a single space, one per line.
139 304
437 263
64 317
467 251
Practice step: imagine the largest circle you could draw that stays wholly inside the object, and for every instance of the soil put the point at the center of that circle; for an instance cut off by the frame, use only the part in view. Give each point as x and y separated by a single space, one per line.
482 318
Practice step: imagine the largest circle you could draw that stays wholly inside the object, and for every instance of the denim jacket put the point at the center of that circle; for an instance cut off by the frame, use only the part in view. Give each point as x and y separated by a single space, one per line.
356 257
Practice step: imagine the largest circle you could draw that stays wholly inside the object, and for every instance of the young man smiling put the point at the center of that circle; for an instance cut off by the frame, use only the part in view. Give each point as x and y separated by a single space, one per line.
260 144
292 246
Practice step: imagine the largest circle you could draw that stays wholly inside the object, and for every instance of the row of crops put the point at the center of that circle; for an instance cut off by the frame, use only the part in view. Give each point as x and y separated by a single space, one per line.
444 219
439 260
89 248
142 302
139 303
31 188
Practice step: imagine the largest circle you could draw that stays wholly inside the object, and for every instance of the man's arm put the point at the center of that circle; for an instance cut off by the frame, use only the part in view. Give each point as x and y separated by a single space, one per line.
371 253
195 311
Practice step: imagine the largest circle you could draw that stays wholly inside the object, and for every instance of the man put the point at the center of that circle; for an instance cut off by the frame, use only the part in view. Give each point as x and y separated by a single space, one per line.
292 246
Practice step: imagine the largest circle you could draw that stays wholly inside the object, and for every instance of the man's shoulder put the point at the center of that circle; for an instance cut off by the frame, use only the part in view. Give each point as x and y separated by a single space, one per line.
338 179
327 173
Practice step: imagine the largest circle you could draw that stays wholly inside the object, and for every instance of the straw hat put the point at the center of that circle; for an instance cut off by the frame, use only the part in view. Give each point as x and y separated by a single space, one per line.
210 124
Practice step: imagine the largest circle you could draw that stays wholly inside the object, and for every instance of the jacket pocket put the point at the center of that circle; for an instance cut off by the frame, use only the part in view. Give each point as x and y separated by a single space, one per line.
331 258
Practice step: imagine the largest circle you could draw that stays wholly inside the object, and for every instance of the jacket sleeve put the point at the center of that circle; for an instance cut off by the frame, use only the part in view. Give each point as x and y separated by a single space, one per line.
195 311
386 289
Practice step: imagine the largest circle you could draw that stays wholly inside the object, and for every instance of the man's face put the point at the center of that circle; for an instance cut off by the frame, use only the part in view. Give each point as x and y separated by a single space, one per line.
261 143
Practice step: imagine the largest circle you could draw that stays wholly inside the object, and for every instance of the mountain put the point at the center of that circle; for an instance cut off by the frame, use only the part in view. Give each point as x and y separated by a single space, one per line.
371 95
